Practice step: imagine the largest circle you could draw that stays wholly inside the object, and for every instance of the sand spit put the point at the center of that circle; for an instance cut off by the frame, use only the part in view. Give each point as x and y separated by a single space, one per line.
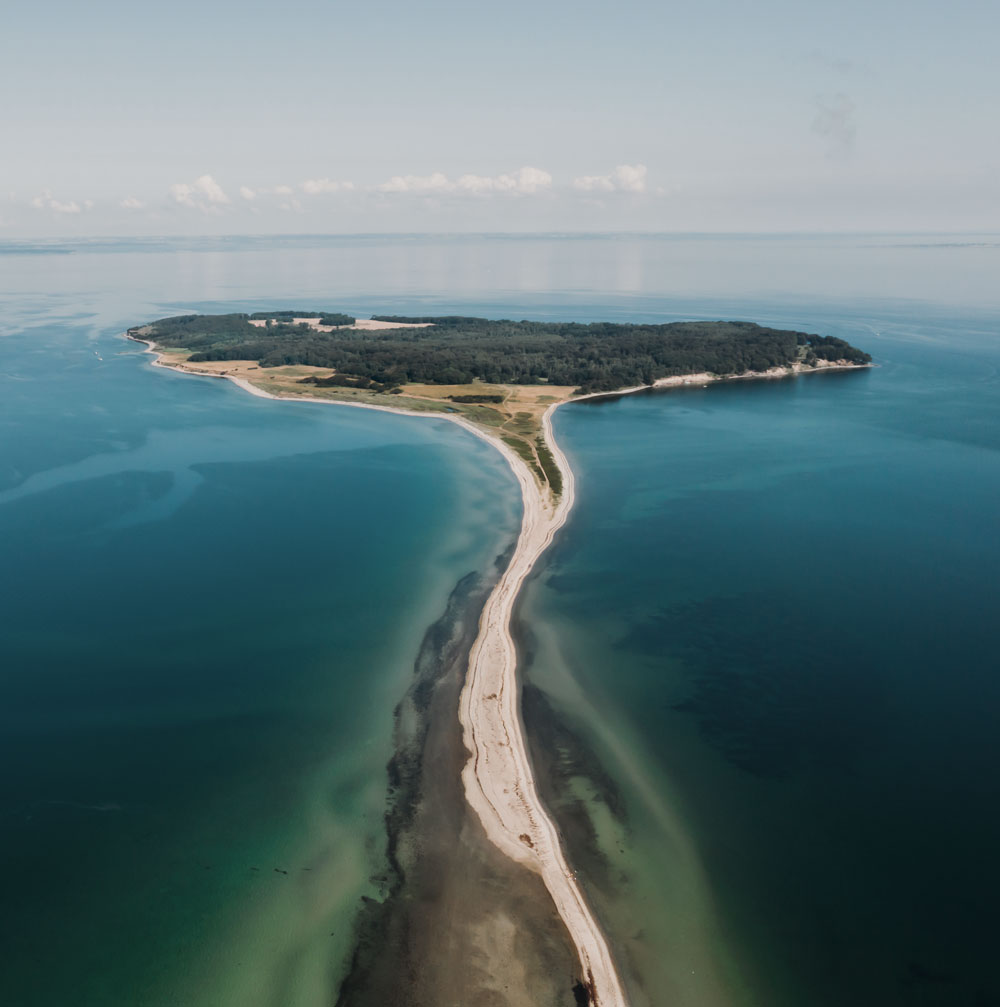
461 923
497 778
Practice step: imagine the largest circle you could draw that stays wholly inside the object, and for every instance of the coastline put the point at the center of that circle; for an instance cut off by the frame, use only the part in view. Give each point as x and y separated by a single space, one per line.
497 777
499 782
703 378
460 923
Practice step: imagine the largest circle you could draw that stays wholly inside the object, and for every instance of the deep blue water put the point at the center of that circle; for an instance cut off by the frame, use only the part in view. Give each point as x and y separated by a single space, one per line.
787 593
771 616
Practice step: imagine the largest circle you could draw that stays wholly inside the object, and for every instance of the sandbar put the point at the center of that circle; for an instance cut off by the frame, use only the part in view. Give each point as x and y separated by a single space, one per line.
497 777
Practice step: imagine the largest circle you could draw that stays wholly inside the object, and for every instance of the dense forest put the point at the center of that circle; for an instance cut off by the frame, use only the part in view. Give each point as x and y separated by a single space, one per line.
286 317
601 356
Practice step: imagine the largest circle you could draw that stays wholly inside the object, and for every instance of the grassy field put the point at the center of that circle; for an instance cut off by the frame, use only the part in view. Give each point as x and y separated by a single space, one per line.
517 418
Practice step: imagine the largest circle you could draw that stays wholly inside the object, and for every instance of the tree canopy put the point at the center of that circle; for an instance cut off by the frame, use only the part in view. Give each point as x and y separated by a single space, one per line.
600 356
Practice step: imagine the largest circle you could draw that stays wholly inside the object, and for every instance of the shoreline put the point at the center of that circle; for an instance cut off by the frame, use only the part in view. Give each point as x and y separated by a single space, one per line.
498 780
497 777
440 861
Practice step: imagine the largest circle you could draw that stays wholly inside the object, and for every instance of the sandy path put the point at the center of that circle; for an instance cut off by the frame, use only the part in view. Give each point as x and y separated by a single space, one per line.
498 777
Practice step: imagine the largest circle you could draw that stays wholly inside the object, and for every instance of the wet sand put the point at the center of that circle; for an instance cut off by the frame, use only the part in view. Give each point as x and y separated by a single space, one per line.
462 924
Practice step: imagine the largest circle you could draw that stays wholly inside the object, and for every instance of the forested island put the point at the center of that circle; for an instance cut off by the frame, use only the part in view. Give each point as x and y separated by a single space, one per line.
455 350
500 375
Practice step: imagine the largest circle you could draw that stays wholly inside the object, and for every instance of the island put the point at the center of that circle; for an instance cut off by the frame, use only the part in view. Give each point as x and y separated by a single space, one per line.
501 380
499 375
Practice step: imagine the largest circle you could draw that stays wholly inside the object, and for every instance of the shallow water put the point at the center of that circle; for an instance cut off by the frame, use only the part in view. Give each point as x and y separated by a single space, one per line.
210 606
770 619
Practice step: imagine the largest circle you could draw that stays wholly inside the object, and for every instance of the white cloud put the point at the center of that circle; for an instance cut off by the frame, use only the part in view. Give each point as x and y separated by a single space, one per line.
131 203
203 194
477 183
46 201
625 178
531 180
526 181
284 191
319 186
418 183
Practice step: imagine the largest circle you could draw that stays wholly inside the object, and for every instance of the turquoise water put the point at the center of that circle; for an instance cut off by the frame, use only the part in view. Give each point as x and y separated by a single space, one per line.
210 605
770 616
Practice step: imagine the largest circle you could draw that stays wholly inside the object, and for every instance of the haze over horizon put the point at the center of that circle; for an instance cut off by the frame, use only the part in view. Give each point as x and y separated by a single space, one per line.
317 118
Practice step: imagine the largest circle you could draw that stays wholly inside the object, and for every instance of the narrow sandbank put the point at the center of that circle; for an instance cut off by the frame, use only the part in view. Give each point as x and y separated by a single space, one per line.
460 922
497 775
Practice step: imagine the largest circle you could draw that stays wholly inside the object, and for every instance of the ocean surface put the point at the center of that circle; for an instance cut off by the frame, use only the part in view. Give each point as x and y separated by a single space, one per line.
765 643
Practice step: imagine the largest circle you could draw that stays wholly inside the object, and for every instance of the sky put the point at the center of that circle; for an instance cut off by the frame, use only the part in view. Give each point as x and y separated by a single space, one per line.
217 117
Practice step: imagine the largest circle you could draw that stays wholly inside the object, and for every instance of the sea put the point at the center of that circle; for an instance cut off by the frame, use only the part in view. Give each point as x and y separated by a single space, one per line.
760 661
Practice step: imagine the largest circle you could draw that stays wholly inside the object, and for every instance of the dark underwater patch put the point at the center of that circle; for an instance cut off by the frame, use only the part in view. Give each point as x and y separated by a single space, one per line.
773 688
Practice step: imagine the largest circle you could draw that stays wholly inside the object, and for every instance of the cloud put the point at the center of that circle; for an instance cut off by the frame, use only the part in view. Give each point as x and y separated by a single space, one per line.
526 181
834 119
625 178
282 191
203 194
46 201
319 186
418 183
131 203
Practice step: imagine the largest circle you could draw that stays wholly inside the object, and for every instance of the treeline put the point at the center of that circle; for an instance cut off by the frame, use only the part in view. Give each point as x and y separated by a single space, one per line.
325 317
832 348
285 316
211 332
601 356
